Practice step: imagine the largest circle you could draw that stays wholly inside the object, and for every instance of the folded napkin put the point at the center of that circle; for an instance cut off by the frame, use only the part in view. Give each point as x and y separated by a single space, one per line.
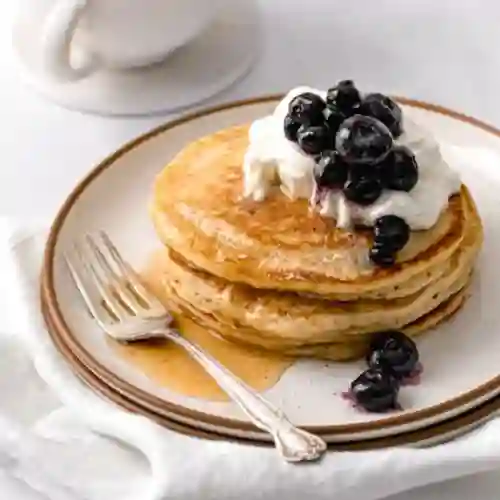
60 441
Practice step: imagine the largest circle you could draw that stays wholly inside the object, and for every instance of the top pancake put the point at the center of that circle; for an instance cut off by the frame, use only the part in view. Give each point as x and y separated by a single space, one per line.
198 211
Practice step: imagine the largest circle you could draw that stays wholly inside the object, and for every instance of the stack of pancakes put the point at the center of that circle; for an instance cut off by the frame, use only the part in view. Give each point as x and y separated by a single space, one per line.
274 275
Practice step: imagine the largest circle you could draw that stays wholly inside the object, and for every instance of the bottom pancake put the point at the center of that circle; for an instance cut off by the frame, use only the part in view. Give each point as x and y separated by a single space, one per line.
337 351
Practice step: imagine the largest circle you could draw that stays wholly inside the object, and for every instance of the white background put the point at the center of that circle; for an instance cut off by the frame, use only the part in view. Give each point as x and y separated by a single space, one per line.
444 51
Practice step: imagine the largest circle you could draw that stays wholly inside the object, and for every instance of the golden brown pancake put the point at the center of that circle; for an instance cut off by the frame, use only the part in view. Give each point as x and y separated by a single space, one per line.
274 275
335 351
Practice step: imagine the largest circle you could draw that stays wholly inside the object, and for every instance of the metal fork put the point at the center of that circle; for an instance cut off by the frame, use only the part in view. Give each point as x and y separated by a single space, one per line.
127 311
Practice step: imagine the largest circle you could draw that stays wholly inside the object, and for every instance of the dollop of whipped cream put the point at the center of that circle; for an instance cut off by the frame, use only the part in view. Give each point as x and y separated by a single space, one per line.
272 159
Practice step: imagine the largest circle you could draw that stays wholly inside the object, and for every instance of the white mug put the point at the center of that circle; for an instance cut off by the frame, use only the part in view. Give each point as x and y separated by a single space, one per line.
116 34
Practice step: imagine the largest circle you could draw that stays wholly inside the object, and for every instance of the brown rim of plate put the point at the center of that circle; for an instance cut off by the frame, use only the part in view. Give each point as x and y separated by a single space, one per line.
466 422
62 329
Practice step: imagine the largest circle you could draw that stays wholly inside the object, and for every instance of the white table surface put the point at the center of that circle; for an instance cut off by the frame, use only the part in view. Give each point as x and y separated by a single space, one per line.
445 52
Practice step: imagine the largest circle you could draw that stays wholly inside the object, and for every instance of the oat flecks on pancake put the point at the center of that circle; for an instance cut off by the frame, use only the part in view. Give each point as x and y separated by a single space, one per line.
274 275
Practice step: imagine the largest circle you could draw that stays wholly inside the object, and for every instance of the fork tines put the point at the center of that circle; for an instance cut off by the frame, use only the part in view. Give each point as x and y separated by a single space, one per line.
110 287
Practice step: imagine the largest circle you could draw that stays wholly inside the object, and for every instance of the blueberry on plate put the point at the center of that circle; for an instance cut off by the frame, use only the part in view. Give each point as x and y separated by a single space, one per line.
399 170
382 256
291 127
314 139
363 139
392 351
344 96
363 190
384 109
307 108
375 391
330 172
391 232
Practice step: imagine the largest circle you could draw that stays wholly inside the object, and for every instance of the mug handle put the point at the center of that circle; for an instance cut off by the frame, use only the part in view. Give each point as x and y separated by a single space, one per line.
57 37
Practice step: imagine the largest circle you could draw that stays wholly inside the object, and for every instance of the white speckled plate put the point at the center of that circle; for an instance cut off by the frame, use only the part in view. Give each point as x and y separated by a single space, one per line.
462 368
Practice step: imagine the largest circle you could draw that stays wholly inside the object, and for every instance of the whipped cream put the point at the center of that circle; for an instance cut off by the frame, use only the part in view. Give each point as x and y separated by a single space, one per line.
272 159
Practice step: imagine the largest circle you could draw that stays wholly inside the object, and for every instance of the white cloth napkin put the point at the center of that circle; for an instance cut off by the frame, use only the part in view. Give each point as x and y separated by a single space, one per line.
60 441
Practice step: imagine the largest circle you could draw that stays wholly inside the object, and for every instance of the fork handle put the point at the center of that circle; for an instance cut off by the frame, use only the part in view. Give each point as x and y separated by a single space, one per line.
294 445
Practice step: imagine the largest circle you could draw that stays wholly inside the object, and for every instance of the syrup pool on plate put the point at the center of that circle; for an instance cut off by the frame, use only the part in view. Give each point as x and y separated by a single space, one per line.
170 366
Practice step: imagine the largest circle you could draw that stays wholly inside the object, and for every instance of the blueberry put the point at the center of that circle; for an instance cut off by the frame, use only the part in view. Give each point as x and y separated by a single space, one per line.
400 169
291 127
376 391
394 352
344 96
363 191
358 171
330 171
307 108
383 108
382 256
362 139
314 139
391 233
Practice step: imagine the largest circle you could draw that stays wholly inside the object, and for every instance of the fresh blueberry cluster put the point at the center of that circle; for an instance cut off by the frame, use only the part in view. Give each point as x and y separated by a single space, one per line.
393 359
351 138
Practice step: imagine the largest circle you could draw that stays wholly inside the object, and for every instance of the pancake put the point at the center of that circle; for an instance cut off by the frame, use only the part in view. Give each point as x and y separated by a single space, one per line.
279 244
337 351
276 276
